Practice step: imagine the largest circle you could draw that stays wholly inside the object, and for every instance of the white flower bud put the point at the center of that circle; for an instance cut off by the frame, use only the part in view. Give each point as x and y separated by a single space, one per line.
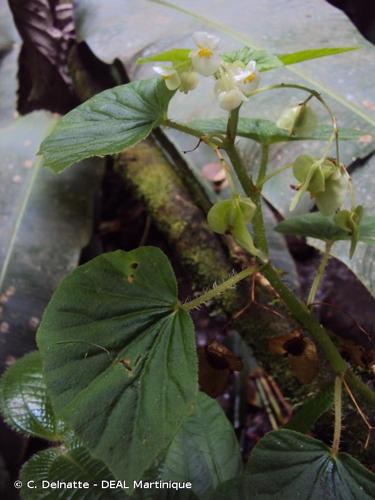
189 80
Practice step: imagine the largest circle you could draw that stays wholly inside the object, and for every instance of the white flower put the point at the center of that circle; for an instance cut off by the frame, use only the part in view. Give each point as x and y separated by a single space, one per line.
170 76
205 59
247 79
228 93
189 80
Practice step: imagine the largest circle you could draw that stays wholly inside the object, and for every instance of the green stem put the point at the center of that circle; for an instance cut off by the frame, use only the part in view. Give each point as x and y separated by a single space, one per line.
219 289
232 125
338 417
263 164
297 308
247 184
319 274
190 131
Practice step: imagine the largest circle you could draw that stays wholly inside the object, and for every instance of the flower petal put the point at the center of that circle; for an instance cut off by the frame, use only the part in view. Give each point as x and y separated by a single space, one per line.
204 39
205 66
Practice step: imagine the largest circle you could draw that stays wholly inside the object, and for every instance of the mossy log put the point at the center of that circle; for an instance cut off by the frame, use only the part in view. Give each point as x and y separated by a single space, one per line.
158 183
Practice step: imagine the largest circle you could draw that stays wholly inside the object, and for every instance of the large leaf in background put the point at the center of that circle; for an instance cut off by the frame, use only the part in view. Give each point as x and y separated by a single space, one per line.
107 123
45 221
267 132
9 52
146 359
205 452
286 464
60 464
24 402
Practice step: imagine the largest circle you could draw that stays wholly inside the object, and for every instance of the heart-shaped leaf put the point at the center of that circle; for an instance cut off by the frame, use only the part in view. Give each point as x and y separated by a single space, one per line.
24 402
119 358
286 464
58 464
321 227
205 452
107 123
267 132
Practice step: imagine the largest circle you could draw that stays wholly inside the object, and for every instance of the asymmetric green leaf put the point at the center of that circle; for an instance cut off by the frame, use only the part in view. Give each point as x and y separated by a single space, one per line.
321 227
286 464
205 451
306 55
57 464
24 402
119 358
107 123
175 56
267 132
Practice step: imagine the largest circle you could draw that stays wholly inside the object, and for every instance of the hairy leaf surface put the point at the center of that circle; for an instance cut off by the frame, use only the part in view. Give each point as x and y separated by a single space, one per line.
119 358
107 123
205 451
286 464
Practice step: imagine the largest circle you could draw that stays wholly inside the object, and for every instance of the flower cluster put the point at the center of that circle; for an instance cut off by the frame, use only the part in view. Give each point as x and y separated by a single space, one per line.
234 81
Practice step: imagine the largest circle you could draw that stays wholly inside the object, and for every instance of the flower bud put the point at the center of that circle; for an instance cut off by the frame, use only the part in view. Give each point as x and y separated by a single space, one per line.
189 80
298 120
230 99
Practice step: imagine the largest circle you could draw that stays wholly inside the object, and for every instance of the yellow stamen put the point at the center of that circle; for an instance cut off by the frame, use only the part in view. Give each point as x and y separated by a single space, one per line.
250 78
204 52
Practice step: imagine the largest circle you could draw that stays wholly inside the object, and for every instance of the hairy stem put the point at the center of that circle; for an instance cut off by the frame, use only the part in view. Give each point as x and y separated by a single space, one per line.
338 417
319 274
219 289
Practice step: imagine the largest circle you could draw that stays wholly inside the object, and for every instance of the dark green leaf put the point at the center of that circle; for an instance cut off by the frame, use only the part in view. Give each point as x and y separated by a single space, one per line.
265 131
306 55
175 56
286 464
58 464
120 359
238 488
107 123
322 227
205 452
308 414
24 402
265 60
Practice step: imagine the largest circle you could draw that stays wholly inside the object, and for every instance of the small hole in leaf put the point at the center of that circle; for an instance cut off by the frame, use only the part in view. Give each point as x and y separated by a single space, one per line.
131 278
134 265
